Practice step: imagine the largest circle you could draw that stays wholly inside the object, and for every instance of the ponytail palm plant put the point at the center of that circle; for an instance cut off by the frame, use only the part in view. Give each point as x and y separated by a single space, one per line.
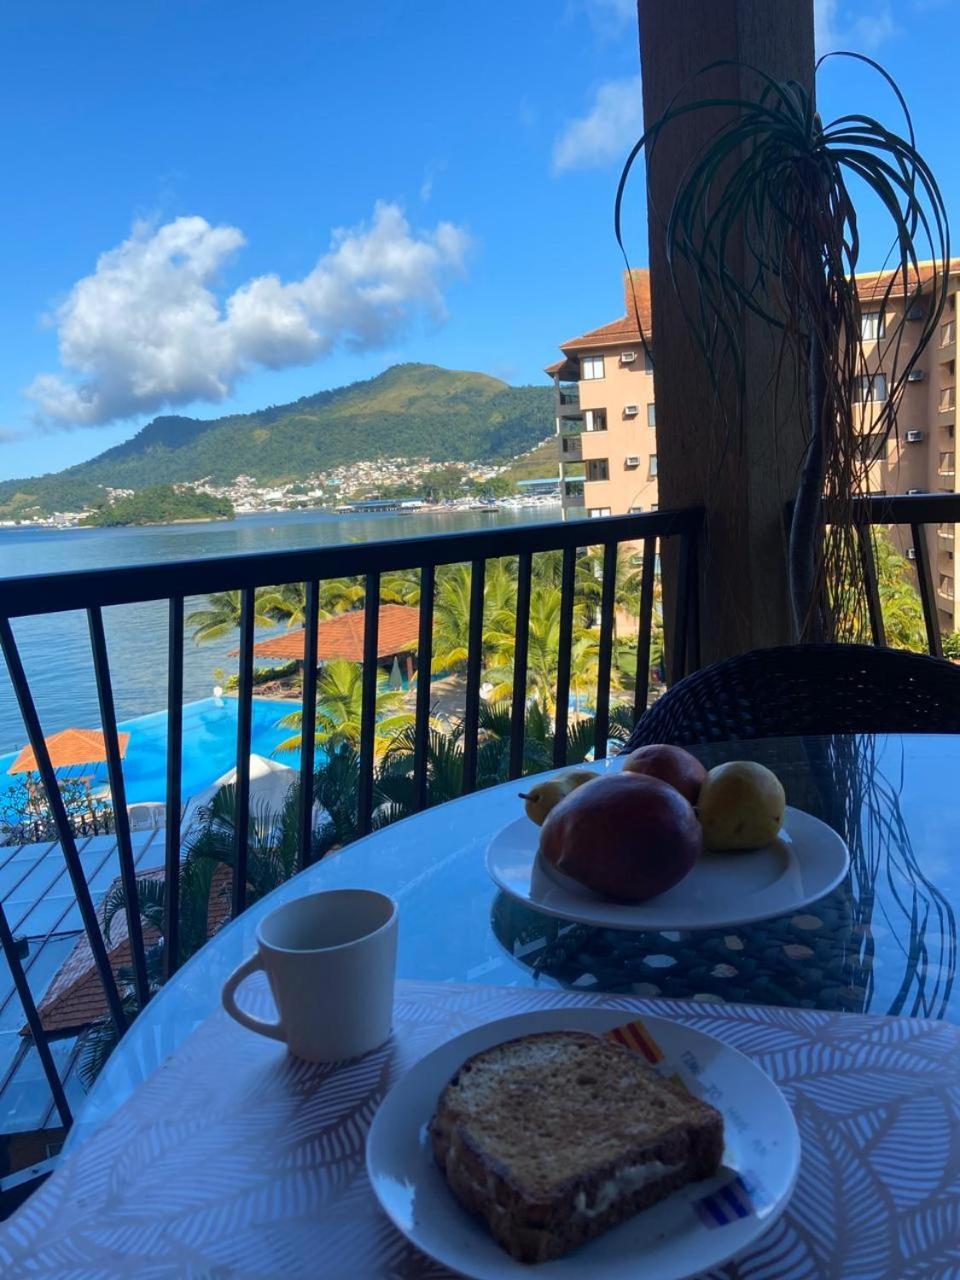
765 223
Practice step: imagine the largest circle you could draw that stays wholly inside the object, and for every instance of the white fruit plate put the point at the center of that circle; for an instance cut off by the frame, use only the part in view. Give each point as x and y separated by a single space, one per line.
697 1228
807 860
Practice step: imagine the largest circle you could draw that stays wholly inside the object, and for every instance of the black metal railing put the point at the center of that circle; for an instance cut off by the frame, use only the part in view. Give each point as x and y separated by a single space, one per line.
93 591
929 515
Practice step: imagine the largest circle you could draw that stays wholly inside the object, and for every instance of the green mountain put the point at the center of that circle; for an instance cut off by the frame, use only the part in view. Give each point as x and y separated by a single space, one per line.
409 410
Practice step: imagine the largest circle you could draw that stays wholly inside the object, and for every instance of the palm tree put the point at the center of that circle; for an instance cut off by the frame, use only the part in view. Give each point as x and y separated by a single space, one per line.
221 615
340 707
543 641
451 610
337 595
899 602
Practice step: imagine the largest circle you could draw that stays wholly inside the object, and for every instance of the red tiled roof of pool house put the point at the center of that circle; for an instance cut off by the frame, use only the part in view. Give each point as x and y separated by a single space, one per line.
342 636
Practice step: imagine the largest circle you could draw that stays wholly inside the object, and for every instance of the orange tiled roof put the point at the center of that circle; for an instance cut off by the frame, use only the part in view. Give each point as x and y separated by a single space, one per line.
625 329
876 283
75 998
342 636
69 747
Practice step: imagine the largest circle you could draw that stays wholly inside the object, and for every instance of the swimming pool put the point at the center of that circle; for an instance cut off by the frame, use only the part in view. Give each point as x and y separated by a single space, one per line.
209 746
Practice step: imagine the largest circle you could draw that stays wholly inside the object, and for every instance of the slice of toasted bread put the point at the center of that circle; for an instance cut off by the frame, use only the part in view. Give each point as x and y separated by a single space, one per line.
554 1138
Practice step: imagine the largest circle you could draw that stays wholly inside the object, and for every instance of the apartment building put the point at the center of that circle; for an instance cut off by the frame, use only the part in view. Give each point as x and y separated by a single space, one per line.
606 424
606 417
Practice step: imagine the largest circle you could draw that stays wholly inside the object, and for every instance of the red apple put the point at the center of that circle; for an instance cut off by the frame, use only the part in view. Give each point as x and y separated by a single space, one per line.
669 764
626 836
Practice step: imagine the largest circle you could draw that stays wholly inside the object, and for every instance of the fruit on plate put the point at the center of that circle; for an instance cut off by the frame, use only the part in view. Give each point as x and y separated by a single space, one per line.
669 764
626 836
741 806
543 796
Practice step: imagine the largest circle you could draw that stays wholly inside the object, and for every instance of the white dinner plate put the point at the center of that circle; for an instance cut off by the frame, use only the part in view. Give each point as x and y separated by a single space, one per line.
807 860
695 1229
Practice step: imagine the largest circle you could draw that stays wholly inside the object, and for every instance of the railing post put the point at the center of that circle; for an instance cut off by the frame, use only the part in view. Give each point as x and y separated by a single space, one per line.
368 712
564 653
925 583
471 711
308 724
121 819
37 1031
421 731
171 864
869 564
605 655
645 632
68 844
244 736
518 709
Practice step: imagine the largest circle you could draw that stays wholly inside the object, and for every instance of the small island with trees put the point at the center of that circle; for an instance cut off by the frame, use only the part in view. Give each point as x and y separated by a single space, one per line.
159 504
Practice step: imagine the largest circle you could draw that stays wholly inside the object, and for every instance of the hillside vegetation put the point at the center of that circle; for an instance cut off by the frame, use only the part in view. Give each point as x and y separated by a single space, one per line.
410 410
160 504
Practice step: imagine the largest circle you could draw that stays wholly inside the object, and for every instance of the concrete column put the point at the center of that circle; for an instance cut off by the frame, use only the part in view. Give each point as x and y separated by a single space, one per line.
741 467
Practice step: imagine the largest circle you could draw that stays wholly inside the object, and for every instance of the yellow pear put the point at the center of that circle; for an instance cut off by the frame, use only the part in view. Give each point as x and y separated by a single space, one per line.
543 796
741 806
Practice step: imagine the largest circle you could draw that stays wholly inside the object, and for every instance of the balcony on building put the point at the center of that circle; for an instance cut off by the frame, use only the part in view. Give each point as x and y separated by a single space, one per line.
565 374
571 446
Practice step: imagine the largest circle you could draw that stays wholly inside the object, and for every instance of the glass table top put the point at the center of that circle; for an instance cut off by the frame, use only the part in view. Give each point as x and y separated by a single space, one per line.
884 942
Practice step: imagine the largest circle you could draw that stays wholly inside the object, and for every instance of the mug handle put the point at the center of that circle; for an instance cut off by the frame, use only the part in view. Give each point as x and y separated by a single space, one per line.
272 1029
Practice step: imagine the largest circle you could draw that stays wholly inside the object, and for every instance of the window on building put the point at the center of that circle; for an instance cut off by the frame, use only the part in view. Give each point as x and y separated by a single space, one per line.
634 511
655 506
873 446
598 469
947 400
591 368
596 513
872 326
647 360
653 464
596 419
871 389
651 415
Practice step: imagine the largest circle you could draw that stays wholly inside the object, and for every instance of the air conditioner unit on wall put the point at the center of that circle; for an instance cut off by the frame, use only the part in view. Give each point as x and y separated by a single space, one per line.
631 460
911 553
914 436
916 375
627 357
631 410
911 492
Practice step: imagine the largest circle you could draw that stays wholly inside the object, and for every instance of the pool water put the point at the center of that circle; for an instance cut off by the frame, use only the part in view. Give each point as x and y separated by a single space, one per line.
209 747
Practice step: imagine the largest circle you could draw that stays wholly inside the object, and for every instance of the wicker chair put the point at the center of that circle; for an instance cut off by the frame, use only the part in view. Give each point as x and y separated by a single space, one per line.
806 689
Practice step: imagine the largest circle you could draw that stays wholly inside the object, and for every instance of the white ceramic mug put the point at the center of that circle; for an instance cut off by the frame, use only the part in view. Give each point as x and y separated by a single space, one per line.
330 959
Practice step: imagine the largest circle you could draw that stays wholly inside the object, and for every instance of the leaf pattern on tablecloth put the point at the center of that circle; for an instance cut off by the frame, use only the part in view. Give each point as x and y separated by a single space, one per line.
256 1169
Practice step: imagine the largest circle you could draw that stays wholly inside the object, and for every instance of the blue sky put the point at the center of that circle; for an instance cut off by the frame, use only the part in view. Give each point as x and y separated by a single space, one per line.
289 197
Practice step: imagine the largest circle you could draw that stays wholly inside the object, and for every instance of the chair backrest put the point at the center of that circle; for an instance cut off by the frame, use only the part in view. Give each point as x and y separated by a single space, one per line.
806 689
146 815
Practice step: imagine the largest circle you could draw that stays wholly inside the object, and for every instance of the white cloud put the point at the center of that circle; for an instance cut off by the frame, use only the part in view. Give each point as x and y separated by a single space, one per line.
611 17
608 130
837 26
147 329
